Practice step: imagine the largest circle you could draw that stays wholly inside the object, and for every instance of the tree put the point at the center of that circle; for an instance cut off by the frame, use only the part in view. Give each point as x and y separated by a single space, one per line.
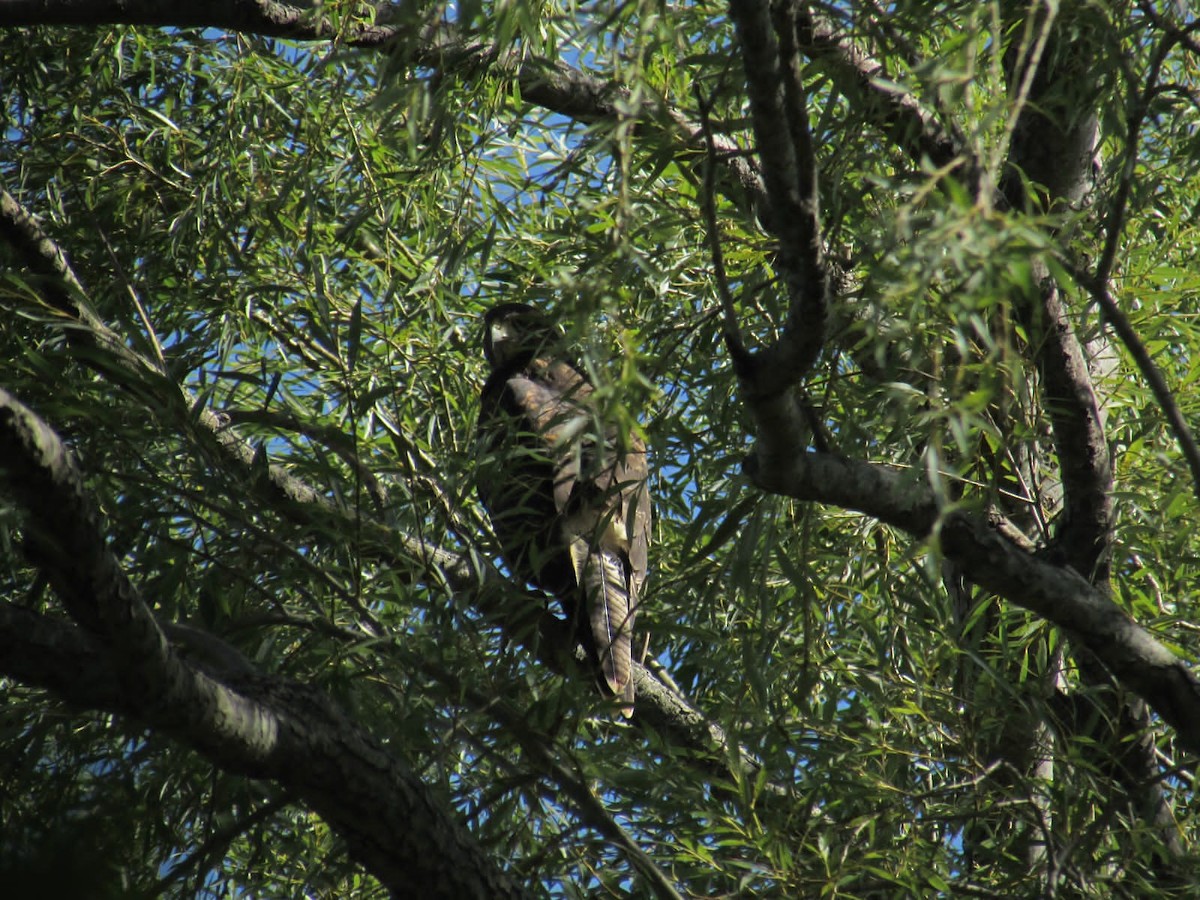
900 298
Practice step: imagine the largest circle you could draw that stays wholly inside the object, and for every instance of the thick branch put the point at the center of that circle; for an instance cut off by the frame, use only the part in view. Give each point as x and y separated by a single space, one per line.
562 89
1085 534
780 114
993 561
262 17
1053 144
54 654
260 727
1062 596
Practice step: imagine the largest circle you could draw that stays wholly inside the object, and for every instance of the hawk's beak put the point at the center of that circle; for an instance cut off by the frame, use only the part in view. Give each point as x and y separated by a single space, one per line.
500 333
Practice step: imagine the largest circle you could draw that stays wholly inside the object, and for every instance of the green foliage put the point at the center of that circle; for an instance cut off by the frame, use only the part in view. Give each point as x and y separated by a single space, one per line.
307 236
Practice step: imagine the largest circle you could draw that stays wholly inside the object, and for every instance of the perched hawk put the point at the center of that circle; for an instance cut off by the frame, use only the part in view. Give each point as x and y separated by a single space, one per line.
567 498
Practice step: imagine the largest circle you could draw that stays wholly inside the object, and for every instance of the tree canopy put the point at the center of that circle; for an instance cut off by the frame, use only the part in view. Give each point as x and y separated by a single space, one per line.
901 297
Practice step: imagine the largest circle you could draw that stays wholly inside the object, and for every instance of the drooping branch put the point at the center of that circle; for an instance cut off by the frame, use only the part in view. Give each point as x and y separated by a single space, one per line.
1098 284
436 45
1153 375
62 290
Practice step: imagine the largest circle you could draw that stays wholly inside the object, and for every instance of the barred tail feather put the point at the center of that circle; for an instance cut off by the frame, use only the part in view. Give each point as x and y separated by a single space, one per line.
611 610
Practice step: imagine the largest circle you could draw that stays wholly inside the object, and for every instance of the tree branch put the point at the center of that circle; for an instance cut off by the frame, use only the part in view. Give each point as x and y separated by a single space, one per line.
1085 532
521 615
1098 284
898 113
994 562
1053 146
264 17
265 728
780 114
1153 375
554 86
62 290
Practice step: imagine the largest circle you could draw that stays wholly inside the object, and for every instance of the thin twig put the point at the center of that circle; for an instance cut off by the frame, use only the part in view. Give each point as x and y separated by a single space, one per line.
1115 221
1154 377
733 337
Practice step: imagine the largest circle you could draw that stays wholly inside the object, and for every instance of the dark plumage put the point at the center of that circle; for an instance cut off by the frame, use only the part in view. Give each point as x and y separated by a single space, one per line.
568 502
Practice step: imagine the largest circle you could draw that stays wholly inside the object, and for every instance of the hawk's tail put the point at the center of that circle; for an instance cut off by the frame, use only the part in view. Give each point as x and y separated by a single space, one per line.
611 609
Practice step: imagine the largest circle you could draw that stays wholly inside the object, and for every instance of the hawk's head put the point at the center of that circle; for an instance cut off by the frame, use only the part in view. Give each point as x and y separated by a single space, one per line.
515 333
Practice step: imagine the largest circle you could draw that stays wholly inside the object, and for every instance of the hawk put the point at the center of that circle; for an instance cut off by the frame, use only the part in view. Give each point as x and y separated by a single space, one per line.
566 496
